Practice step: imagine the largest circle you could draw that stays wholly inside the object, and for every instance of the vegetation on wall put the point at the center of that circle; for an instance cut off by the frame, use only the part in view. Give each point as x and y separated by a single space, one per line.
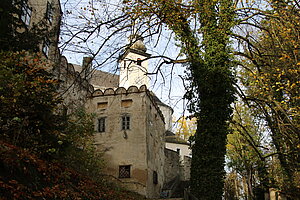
211 90
28 102
269 87
45 153
14 34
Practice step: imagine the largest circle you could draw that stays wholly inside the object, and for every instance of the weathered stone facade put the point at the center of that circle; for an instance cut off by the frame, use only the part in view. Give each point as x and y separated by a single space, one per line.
138 147
130 121
172 165
46 14
74 88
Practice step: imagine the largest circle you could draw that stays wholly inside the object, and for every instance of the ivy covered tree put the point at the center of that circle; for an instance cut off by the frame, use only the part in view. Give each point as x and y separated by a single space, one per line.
211 91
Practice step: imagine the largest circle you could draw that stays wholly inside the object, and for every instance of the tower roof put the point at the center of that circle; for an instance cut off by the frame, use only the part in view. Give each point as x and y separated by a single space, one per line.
137 43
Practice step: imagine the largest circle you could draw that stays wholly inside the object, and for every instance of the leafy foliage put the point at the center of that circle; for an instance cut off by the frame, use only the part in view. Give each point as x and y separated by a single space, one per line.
211 91
272 82
247 151
186 127
28 101
23 175
79 151
14 35
33 129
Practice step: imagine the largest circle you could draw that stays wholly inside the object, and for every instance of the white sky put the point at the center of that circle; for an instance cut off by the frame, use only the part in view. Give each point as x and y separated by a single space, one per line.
169 87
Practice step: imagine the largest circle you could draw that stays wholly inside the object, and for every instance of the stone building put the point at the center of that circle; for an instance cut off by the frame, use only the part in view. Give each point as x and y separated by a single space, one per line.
130 130
130 123
44 15
183 150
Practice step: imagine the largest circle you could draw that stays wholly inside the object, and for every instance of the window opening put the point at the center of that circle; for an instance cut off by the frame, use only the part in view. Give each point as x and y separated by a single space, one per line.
101 124
155 177
46 47
139 62
125 122
124 171
26 13
49 12
126 103
102 105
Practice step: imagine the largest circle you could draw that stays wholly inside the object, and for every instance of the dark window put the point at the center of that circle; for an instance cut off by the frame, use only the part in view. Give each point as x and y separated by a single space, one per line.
124 171
125 122
155 178
46 47
139 62
101 124
26 13
49 12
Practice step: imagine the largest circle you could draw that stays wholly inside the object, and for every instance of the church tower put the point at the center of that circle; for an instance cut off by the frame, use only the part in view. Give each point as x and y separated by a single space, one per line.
134 64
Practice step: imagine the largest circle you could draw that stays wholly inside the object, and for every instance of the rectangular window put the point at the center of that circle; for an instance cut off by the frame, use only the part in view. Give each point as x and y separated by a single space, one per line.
101 124
126 103
125 122
124 171
26 13
49 12
102 105
155 177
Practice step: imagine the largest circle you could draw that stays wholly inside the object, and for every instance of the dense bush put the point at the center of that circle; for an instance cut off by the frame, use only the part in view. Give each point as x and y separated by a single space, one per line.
27 102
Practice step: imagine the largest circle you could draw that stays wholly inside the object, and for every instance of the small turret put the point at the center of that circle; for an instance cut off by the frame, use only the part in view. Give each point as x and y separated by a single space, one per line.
134 63
138 43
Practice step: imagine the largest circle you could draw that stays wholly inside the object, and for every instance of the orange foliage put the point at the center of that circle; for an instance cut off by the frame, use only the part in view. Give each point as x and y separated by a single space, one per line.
25 176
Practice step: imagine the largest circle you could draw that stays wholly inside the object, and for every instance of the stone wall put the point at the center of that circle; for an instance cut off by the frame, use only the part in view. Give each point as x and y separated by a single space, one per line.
140 147
182 148
155 130
38 17
167 112
73 88
172 165
185 168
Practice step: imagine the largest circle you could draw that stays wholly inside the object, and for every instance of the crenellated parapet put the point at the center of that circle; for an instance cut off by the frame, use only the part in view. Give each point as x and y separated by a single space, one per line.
69 77
73 87
130 90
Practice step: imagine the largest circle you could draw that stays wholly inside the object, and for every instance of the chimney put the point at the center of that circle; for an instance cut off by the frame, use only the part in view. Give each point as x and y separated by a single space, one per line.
87 67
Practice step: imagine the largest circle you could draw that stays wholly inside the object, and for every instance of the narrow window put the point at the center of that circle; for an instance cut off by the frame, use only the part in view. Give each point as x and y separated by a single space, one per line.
49 12
101 124
139 62
124 171
155 178
26 13
125 122
46 47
